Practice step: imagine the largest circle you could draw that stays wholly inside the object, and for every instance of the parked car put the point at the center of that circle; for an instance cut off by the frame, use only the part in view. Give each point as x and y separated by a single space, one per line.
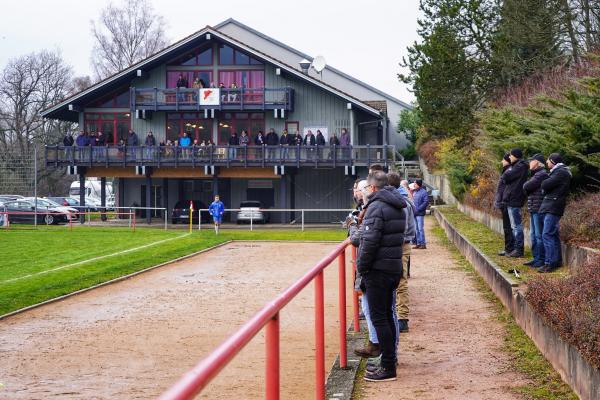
46 203
24 213
181 212
251 210
69 202
9 197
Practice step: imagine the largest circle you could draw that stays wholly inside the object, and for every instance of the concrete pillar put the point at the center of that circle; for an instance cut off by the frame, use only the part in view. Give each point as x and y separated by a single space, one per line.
215 185
282 195
82 194
166 195
103 196
148 198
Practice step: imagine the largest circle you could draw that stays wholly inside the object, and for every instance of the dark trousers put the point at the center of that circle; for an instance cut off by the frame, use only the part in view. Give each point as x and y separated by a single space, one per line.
551 240
509 240
381 287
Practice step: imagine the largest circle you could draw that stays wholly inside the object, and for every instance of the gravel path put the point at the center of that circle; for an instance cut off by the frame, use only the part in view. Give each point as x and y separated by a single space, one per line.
453 348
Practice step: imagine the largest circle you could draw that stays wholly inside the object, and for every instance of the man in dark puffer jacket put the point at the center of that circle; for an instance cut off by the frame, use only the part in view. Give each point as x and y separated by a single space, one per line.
555 190
509 241
514 197
533 190
380 264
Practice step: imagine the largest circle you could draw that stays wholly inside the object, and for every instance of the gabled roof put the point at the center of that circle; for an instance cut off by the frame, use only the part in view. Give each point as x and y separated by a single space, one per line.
309 58
60 110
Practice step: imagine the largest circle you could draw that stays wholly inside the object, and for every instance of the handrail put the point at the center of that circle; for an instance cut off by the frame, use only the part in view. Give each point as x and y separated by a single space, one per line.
199 376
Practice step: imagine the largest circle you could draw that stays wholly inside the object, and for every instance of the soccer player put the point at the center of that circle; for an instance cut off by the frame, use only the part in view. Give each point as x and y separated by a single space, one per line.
217 209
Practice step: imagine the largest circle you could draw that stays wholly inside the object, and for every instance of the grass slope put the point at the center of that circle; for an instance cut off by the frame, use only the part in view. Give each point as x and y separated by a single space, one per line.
26 255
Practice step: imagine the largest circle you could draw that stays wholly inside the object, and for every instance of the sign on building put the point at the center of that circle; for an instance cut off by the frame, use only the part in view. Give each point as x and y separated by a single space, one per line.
210 97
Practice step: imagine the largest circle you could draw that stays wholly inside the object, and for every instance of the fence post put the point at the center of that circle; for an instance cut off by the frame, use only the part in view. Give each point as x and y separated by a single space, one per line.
251 219
342 310
272 359
319 338
166 218
130 218
134 222
200 219
355 293
303 220
70 222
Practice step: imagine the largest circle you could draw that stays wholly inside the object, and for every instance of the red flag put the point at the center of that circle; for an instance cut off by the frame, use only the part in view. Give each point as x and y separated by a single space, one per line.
191 205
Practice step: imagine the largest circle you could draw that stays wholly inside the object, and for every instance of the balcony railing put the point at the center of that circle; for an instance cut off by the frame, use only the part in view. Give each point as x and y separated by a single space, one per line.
221 155
229 99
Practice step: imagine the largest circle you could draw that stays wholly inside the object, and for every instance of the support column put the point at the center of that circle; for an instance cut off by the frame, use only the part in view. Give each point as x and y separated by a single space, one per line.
215 185
292 196
166 196
82 194
103 197
148 198
282 196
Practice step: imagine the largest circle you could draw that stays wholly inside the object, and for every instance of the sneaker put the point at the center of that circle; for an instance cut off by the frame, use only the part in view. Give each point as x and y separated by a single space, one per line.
381 375
418 246
372 368
515 254
503 253
423 246
369 351
529 263
544 268
403 325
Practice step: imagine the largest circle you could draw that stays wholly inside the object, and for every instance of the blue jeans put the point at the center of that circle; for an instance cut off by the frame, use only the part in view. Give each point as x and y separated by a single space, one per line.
516 224
536 227
551 240
232 153
420 219
365 309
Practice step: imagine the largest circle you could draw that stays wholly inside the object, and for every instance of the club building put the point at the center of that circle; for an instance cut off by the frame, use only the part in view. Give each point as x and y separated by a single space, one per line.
263 85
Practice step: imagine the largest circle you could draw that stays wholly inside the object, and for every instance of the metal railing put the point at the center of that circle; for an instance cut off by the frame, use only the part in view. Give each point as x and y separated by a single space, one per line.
230 99
221 155
198 378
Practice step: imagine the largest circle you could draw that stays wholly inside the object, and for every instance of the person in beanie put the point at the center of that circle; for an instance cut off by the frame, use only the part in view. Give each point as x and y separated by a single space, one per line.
533 190
555 190
421 201
513 196
509 242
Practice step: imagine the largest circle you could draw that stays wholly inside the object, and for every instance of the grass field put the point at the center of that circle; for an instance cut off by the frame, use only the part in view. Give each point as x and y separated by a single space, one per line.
37 265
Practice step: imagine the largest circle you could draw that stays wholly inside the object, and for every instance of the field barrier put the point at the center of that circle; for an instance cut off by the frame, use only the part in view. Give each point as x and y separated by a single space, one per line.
198 378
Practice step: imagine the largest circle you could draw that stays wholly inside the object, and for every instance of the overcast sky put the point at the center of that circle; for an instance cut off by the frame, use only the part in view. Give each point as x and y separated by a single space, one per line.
366 39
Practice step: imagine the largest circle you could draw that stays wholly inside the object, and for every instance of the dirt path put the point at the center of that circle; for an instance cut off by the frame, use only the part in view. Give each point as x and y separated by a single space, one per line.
453 348
135 338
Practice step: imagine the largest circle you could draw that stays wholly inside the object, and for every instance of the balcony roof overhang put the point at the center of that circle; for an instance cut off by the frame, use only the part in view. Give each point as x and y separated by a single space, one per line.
62 110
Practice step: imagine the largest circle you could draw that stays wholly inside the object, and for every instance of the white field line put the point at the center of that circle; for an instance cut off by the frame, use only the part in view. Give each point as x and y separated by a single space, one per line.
94 259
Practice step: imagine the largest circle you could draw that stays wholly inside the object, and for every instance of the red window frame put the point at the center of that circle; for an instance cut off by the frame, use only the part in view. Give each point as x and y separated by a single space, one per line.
114 120
197 117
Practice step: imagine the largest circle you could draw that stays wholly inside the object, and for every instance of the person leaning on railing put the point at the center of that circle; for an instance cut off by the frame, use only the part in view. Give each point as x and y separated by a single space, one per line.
68 142
284 141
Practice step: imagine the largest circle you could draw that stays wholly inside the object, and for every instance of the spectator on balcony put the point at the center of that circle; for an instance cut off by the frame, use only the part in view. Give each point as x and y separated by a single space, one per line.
68 142
259 140
345 143
150 142
198 84
182 83
285 141
421 201
555 190
244 138
334 142
132 139
234 141
272 141
184 143
100 144
310 141
320 139
82 139
169 149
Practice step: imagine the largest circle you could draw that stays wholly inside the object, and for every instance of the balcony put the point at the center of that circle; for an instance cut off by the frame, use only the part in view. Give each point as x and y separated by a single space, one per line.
183 99
221 155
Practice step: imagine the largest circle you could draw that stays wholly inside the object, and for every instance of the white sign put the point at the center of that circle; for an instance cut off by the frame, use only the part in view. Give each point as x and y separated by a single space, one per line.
210 97
314 130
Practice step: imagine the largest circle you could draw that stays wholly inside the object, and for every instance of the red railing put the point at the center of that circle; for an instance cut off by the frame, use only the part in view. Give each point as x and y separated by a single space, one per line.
198 377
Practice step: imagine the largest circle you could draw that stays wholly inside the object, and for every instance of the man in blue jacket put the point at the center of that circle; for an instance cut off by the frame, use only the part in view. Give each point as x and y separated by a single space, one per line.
421 201
555 190
216 210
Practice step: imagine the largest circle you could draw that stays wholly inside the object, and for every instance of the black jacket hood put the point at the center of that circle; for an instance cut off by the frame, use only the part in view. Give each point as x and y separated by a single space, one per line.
389 195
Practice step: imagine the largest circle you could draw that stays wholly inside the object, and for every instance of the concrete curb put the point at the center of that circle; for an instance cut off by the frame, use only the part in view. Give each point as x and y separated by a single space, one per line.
112 281
340 382
583 378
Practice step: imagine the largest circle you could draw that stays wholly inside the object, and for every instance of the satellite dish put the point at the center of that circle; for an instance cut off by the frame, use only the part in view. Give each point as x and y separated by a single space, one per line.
319 63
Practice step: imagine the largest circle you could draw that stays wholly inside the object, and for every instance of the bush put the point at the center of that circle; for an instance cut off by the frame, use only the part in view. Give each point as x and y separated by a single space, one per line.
571 306
581 223
409 153
429 153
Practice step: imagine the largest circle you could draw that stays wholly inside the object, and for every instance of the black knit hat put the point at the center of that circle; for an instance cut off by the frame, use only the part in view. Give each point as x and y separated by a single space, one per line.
516 153
506 157
539 157
555 158
419 182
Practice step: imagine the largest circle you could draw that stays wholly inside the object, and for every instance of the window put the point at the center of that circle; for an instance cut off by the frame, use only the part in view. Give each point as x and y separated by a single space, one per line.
192 123
243 79
114 126
236 122
200 56
229 56
119 99
204 78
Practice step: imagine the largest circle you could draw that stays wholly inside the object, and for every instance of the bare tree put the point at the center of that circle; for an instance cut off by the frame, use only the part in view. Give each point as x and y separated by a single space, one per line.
125 35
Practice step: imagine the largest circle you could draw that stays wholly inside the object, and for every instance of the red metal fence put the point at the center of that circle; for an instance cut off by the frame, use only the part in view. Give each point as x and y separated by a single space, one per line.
198 377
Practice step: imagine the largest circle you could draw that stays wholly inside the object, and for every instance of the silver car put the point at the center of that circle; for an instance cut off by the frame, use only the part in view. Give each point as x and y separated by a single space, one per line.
252 211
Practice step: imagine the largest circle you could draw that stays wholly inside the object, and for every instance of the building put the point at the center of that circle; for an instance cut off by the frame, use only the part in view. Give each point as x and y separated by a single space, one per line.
209 85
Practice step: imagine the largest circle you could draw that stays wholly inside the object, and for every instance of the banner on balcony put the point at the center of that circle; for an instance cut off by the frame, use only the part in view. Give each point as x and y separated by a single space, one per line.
314 130
210 97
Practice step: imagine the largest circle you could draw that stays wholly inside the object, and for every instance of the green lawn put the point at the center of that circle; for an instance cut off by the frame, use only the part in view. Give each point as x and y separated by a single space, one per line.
490 242
35 265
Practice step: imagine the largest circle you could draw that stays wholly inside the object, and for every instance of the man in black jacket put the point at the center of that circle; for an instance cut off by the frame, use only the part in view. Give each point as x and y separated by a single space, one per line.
555 190
513 196
533 190
380 264
272 141
509 241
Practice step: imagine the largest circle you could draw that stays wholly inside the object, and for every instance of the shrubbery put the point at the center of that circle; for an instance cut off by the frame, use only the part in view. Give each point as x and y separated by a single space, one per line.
581 223
571 305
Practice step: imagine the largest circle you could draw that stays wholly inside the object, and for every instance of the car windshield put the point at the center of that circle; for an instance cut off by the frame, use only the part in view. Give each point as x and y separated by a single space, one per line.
248 204
43 202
